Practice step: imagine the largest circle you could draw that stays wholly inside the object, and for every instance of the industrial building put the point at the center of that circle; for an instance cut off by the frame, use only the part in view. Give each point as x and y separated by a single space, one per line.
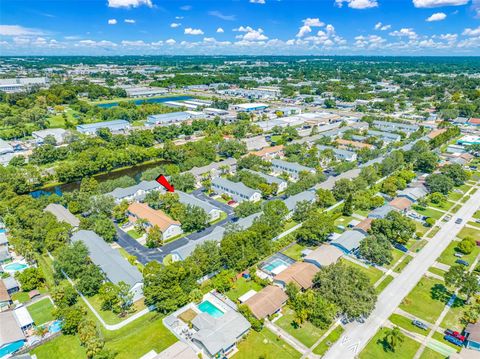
113 126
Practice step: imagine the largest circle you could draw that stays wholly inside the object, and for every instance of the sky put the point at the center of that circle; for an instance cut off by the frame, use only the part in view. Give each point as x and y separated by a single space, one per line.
240 27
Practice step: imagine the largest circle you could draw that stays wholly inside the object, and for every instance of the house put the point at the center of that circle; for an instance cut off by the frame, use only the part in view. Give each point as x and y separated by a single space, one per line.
212 212
3 240
414 192
474 121
267 302
355 144
113 126
255 143
341 155
460 120
292 168
269 153
10 284
58 133
5 147
469 140
281 184
237 190
292 201
472 332
23 317
385 136
5 299
380 212
116 268
169 227
349 241
214 169
324 255
166 119
395 126
289 111
364 226
11 335
456 149
62 214
136 192
250 107
219 336
401 204
299 273
4 254
178 350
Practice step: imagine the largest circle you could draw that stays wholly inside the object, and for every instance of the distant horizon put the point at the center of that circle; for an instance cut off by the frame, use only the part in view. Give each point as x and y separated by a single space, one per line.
240 27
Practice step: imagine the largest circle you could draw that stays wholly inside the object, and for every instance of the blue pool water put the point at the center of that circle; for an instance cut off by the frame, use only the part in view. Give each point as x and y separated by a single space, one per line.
55 327
209 308
150 100
274 264
15 266
2 230
11 348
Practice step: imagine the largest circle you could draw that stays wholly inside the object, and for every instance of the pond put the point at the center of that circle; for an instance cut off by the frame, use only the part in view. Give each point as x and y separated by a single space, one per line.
135 172
148 100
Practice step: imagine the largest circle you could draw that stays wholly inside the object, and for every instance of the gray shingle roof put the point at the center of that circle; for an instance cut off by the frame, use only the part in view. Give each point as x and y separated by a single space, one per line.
62 214
188 199
349 240
10 283
9 330
238 187
197 171
385 135
215 236
293 166
110 261
381 212
120 193
268 178
219 333
3 238
292 201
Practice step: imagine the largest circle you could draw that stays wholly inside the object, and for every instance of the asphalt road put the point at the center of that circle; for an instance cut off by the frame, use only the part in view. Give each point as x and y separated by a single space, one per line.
357 335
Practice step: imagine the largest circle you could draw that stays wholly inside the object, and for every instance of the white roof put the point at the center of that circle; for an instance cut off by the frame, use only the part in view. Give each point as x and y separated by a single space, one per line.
252 104
23 317
247 296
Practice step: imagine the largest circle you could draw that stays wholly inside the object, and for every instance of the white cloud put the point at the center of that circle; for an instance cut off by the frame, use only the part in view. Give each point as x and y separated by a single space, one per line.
218 14
471 32
170 42
190 31
178 17
112 21
369 42
220 30
438 3
251 34
92 43
262 2
308 23
175 25
358 4
17 30
129 21
138 43
405 32
382 27
186 7
129 3
438 16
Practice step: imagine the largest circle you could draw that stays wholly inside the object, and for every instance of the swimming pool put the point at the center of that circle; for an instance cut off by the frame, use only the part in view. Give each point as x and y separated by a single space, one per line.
55 327
15 267
275 264
209 308
11 348
2 230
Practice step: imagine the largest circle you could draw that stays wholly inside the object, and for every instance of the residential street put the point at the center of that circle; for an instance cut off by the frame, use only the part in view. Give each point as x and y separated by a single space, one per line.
357 335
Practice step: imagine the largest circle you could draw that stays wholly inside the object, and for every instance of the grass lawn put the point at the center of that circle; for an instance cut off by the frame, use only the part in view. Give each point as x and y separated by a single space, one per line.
427 300
464 188
264 344
383 284
168 259
447 257
433 232
431 354
128 256
469 232
439 336
45 263
372 273
307 334
289 224
455 209
41 311
476 215
475 224
401 266
64 346
242 286
455 196
343 221
420 229
377 348
294 251
326 343
108 316
134 234
139 337
406 324
443 206
396 254
22 297
454 315
428 212
437 271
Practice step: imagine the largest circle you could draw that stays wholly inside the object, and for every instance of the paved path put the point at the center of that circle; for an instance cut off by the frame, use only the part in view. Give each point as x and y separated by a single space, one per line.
302 349
321 339
356 337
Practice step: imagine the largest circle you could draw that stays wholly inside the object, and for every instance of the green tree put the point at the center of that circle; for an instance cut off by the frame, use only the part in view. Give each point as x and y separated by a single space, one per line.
325 198
376 249
467 245
393 337
90 280
315 229
195 219
395 227
455 172
154 237
30 278
348 206
439 183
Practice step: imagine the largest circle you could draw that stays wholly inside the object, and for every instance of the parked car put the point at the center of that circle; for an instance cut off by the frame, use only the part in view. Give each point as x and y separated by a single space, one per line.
455 334
458 255
453 340
401 247
420 324
458 221
462 262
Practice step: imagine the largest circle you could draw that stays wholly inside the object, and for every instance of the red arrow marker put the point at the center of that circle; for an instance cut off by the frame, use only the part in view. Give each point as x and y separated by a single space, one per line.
164 182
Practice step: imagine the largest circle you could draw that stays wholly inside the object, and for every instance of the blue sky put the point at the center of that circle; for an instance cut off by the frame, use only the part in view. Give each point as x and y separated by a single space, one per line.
318 27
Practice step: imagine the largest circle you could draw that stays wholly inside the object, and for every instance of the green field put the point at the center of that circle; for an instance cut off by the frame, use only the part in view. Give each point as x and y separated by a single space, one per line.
41 311
372 273
469 232
396 254
377 348
242 286
406 323
64 346
431 354
307 334
326 343
436 271
454 315
447 257
264 344
107 315
427 300
294 251
428 212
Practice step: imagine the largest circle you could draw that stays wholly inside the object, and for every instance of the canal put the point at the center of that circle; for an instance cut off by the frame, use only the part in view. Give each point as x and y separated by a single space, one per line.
148 100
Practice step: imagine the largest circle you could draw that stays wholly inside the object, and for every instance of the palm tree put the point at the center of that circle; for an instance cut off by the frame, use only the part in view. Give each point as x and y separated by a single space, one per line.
393 337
